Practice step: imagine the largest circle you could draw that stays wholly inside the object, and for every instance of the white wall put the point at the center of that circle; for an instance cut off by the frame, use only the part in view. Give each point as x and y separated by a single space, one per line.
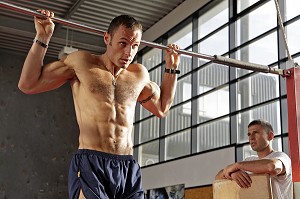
184 10
192 171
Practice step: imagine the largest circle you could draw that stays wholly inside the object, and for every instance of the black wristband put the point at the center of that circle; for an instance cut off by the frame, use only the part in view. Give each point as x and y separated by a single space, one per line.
172 71
40 43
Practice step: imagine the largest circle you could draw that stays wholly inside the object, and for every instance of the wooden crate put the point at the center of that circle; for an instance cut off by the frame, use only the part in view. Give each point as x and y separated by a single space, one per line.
227 189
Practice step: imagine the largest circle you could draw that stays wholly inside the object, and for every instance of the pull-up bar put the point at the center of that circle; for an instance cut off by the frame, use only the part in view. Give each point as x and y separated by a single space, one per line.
215 58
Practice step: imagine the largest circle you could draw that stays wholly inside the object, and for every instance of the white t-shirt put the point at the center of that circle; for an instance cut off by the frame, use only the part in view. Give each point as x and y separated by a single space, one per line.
282 185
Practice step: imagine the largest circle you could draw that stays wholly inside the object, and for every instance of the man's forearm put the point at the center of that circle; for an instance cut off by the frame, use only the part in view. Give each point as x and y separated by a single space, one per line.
270 166
33 64
220 175
168 89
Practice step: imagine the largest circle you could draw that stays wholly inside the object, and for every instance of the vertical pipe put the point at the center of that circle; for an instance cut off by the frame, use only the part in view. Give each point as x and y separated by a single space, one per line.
293 101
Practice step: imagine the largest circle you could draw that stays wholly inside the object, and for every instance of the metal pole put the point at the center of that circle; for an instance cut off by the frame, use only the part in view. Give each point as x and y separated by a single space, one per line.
215 58
293 101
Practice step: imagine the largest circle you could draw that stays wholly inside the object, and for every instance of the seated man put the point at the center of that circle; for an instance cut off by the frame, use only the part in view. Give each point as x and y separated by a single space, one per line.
276 164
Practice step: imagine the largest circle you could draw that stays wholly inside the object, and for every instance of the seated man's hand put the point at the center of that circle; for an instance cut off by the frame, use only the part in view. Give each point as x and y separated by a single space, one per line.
227 171
241 178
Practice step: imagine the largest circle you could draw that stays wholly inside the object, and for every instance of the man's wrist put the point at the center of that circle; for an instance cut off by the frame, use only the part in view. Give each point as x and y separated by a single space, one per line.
172 71
39 42
174 66
43 38
237 166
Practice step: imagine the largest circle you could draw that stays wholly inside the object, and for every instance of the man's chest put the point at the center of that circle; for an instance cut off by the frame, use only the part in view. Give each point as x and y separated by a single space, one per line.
119 88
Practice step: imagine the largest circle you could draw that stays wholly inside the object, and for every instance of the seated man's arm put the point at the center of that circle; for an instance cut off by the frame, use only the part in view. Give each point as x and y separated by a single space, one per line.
272 167
240 177
220 175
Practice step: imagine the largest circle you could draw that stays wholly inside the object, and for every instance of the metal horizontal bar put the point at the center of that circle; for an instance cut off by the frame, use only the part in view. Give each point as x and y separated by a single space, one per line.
215 58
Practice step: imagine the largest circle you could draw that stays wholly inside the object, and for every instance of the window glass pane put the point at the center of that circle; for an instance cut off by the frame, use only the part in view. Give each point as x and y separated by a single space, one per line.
217 44
155 75
213 18
149 129
202 61
285 147
213 105
256 89
243 4
149 153
293 37
152 58
212 76
184 90
178 118
213 135
292 7
277 144
133 134
269 112
264 52
183 37
252 25
144 112
247 150
185 65
297 60
178 145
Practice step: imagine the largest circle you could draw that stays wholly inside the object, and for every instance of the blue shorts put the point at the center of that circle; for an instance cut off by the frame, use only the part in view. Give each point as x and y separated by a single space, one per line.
105 176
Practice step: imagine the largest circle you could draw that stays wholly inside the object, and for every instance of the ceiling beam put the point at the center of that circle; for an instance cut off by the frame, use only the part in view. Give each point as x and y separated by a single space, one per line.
74 8
69 14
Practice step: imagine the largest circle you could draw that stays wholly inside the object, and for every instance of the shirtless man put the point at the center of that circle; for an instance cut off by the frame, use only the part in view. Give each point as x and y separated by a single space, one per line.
105 91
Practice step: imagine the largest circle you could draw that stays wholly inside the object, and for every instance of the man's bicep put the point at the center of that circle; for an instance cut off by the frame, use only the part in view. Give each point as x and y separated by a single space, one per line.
53 76
57 69
150 92
149 98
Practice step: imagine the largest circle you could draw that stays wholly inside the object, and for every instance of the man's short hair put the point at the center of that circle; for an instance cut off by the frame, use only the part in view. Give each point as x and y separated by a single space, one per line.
265 124
124 20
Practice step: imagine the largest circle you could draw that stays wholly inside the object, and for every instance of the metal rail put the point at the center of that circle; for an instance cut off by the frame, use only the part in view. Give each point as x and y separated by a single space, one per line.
215 58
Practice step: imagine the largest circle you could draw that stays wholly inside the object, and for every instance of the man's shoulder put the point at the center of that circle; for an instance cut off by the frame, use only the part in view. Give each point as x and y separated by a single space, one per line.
79 57
81 54
285 159
278 154
137 65
137 68
251 157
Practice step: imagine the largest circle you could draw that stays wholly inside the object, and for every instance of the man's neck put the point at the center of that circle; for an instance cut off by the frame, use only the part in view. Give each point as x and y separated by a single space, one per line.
113 69
264 153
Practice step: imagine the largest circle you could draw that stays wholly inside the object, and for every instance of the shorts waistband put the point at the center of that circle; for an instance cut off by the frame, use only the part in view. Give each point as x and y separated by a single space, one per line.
104 155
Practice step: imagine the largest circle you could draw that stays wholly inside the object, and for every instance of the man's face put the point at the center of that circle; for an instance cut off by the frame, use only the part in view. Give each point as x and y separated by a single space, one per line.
259 139
123 45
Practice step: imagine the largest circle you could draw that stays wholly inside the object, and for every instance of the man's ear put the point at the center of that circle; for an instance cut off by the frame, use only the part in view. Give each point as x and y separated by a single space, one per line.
271 135
106 38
